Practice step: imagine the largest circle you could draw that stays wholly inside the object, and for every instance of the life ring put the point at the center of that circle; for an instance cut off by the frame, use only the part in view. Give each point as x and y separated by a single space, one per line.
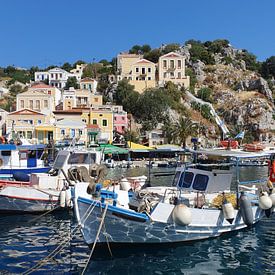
1 162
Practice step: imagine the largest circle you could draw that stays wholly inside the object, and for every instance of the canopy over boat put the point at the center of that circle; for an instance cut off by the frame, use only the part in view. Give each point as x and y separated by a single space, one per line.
135 147
231 153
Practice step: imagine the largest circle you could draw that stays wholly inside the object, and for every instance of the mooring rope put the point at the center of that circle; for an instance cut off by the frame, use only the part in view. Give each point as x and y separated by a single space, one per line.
96 238
44 214
63 244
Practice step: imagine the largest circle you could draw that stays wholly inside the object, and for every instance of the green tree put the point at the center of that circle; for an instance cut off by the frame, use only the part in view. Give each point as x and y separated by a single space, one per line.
172 47
205 94
92 70
169 130
152 107
268 67
79 62
199 52
72 82
193 79
153 55
185 128
217 46
67 66
250 60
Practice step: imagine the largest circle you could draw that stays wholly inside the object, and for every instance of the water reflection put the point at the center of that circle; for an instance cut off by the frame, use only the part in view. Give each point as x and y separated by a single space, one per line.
23 244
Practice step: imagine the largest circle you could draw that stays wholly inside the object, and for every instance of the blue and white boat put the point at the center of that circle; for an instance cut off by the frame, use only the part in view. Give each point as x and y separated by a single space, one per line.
48 191
199 205
25 159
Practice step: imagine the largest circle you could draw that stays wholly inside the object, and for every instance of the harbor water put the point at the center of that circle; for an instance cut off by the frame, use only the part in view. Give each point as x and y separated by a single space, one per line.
25 240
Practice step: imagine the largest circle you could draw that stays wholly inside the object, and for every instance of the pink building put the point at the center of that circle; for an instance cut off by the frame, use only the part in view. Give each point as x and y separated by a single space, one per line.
120 122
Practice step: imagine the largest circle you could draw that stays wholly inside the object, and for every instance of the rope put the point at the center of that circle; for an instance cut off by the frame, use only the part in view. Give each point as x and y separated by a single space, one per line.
96 238
63 244
44 214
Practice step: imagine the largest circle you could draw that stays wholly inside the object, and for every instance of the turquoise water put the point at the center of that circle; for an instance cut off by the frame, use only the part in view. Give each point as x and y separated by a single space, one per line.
24 243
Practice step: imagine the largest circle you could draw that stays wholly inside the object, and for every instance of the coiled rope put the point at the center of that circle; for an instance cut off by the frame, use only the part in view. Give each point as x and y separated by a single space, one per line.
63 244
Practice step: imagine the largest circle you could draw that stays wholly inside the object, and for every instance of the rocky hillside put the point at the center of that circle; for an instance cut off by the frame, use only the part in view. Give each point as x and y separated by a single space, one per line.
239 93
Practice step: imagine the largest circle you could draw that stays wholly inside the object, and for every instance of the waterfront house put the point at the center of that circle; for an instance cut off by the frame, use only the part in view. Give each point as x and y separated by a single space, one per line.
102 118
24 122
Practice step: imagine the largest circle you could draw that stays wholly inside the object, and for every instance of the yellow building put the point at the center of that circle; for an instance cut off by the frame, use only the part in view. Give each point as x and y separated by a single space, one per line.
124 64
71 124
24 123
80 99
171 67
102 119
143 75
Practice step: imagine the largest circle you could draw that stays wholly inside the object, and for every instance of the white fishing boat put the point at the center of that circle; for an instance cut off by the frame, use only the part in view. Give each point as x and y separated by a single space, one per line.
198 205
22 160
47 191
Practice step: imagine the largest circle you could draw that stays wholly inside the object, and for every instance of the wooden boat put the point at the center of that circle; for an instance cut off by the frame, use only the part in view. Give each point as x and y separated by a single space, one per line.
185 211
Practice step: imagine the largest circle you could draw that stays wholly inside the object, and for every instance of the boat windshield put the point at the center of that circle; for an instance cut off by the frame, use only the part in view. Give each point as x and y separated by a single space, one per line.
60 160
81 158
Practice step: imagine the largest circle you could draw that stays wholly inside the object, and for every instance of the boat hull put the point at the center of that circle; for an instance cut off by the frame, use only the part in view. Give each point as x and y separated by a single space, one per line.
16 205
125 230
27 199
10 171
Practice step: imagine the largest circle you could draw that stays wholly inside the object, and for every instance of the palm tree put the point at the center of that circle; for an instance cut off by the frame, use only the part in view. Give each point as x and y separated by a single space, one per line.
185 127
169 130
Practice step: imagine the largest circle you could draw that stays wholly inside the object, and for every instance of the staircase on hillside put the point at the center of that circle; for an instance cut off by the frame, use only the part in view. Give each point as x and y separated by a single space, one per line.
218 120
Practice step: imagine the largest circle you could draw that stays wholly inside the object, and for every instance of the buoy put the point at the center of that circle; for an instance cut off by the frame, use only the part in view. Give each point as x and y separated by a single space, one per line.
68 197
272 197
125 185
265 201
246 209
63 198
182 215
228 211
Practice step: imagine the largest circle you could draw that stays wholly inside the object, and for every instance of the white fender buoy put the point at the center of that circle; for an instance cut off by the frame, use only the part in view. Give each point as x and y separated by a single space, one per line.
228 211
265 201
272 197
182 215
68 197
125 185
246 209
62 198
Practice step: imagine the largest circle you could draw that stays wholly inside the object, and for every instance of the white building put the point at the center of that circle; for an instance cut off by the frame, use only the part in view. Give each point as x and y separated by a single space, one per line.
78 71
57 77
88 84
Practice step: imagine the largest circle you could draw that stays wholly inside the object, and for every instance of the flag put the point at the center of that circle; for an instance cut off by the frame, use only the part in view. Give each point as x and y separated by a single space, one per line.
240 135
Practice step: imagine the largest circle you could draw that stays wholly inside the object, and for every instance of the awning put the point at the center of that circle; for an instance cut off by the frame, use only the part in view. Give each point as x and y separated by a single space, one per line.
111 149
135 147
168 148
45 128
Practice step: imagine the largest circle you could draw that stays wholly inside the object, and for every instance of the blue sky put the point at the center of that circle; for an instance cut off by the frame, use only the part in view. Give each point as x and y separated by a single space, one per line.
36 32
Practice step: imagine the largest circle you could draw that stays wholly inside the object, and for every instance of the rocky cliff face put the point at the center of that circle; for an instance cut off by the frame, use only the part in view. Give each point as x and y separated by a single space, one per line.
241 96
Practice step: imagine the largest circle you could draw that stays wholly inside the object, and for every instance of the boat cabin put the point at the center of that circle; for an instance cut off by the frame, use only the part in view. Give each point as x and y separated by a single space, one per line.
67 159
22 156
